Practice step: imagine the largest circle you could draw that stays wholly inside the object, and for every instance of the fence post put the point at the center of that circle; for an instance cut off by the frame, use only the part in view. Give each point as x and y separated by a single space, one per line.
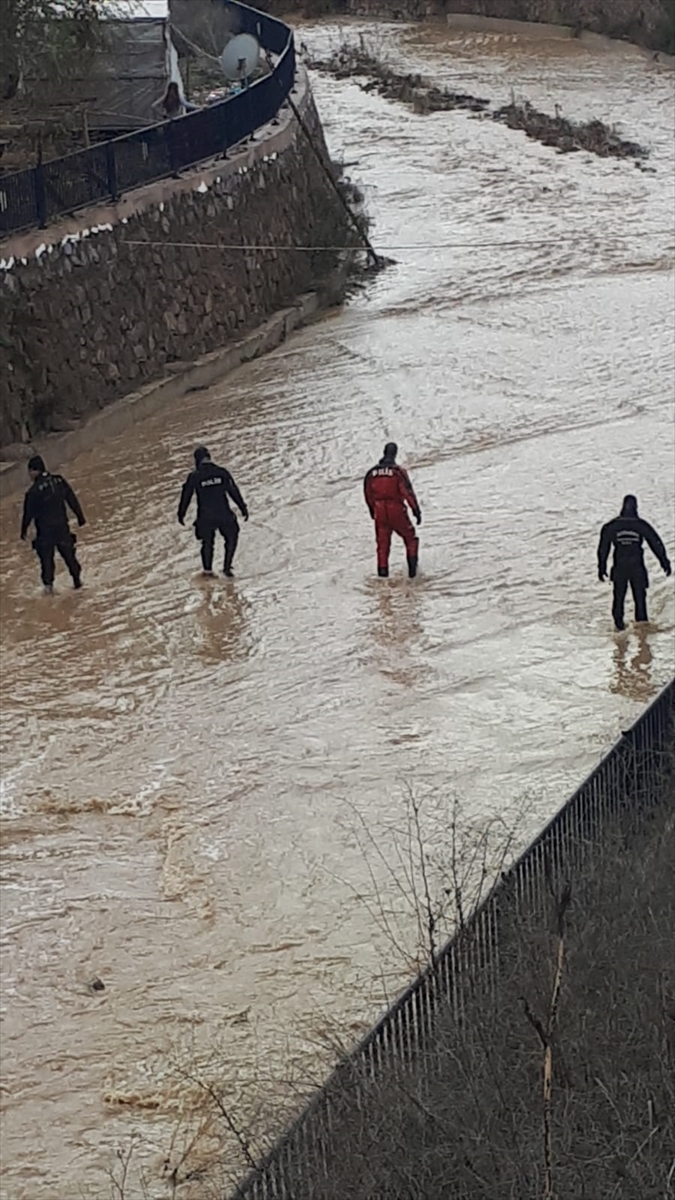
40 195
169 133
111 165
179 148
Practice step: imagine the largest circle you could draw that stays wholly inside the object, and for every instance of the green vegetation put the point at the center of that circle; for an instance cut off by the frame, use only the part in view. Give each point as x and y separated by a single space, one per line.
44 44
45 36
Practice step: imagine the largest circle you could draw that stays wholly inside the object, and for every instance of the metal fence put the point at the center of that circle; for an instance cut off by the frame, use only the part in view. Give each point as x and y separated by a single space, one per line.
634 777
103 172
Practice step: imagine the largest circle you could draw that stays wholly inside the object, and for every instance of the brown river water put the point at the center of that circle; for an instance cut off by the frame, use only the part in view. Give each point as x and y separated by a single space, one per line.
207 785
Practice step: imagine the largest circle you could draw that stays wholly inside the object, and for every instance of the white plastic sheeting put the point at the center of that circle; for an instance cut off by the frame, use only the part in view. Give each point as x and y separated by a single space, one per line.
139 8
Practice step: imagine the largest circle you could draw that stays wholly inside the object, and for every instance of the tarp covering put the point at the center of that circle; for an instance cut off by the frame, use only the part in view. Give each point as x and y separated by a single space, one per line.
130 71
140 8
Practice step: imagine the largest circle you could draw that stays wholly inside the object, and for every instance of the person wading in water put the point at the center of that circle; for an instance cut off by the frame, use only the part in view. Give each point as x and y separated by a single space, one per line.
388 490
45 504
212 485
625 534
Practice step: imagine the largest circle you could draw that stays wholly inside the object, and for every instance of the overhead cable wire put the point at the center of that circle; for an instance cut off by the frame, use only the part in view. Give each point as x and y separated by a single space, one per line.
420 246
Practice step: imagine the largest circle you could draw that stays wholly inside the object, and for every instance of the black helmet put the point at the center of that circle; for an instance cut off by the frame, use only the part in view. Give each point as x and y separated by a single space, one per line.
37 463
629 507
201 454
390 451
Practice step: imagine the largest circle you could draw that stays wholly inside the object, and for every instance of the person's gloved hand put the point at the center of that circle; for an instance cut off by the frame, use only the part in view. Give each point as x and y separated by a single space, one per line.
24 536
82 522
668 569
602 575
418 517
245 515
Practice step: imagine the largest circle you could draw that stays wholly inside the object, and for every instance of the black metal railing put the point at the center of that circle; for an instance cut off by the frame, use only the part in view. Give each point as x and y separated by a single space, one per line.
34 197
631 780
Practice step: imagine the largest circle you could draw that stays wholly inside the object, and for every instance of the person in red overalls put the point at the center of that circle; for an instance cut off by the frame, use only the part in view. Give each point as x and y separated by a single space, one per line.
387 491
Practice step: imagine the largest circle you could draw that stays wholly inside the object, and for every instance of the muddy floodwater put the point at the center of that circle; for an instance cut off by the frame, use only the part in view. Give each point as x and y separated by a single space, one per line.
206 784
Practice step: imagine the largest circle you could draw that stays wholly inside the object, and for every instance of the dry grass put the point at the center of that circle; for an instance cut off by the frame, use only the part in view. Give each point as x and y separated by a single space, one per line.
552 1078
560 1083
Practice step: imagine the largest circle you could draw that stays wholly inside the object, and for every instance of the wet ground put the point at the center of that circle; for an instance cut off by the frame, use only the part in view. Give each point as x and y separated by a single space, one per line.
207 785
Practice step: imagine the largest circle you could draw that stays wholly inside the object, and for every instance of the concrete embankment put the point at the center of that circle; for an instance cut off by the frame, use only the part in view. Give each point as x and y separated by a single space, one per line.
116 418
121 300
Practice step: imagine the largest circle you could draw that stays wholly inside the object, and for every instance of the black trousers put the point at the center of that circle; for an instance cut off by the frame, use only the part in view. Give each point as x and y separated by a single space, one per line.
45 547
638 585
206 533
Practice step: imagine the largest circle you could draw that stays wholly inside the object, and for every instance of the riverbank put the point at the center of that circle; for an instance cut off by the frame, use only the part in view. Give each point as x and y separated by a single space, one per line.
650 24
104 303
184 378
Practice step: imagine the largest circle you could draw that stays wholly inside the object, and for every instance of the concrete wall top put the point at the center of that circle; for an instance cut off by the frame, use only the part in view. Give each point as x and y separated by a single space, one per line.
269 140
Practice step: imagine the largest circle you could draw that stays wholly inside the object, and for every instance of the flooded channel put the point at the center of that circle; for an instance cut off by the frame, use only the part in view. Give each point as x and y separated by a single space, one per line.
207 784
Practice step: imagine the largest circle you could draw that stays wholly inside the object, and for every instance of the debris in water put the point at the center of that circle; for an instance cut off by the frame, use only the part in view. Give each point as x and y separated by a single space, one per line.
567 136
354 61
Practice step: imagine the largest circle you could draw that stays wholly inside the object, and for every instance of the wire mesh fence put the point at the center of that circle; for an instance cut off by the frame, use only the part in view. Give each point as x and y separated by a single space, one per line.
634 778
34 197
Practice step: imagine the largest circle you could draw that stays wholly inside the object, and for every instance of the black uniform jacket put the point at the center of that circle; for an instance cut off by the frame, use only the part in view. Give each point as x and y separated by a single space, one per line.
626 535
45 504
212 485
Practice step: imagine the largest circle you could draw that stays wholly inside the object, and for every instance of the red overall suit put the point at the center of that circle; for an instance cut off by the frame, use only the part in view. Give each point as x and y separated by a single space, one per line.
387 490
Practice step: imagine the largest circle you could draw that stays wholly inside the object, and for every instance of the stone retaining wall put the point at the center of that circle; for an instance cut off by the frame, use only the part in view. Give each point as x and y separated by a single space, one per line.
87 319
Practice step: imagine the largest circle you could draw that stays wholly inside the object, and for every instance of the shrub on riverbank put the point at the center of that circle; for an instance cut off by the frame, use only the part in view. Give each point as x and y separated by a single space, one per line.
562 1084
558 1082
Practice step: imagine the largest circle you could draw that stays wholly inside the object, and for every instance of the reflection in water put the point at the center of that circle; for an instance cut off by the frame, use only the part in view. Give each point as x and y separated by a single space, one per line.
396 629
222 623
632 667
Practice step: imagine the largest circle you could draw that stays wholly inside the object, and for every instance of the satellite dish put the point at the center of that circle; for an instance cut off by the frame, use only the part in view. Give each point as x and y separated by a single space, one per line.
240 57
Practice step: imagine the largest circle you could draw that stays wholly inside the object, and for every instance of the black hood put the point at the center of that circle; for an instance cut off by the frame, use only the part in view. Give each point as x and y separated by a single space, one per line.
629 507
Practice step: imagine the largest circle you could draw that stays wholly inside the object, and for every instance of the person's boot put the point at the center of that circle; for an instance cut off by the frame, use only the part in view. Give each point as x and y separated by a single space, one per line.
412 567
228 560
383 572
77 580
48 589
619 626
